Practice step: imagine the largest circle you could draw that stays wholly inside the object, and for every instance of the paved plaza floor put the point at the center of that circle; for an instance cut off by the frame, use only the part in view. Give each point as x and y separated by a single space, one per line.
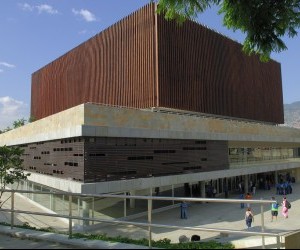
208 215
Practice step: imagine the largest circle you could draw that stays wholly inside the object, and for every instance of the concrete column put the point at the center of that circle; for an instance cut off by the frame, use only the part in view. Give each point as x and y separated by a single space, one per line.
132 201
203 194
52 202
246 183
297 175
85 212
191 189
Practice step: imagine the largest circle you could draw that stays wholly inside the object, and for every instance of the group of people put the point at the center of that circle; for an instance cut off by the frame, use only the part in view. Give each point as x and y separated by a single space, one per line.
284 188
286 205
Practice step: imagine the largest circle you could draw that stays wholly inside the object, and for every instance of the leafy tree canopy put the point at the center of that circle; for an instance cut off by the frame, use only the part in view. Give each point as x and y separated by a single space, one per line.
264 22
11 169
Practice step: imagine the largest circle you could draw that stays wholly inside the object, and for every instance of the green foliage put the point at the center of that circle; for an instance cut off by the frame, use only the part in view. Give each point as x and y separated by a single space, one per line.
164 243
19 123
11 169
264 22
31 119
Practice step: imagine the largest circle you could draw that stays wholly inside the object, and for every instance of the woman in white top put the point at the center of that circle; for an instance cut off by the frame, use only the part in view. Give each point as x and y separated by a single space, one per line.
249 217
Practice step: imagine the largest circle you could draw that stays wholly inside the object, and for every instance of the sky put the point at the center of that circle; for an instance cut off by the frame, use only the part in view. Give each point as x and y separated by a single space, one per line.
33 33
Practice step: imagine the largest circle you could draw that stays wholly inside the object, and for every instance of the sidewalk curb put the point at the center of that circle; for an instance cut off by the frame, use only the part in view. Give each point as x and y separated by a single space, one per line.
63 239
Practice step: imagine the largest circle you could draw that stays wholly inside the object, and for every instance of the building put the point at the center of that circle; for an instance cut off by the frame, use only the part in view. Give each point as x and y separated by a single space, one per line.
147 104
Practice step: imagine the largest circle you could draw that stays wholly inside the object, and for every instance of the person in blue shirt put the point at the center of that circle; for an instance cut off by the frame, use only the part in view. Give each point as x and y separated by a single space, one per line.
183 210
242 197
274 209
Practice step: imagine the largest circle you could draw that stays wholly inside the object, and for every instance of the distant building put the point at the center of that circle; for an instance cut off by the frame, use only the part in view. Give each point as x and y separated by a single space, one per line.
147 103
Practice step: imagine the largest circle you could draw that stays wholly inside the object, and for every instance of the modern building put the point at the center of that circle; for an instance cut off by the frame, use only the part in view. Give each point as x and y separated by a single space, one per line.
147 103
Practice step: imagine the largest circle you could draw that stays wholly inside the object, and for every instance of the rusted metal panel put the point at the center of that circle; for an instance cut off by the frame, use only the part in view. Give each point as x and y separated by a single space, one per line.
114 67
203 71
145 61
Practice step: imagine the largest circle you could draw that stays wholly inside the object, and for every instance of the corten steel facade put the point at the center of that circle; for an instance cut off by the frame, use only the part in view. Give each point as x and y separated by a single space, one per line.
145 61
96 159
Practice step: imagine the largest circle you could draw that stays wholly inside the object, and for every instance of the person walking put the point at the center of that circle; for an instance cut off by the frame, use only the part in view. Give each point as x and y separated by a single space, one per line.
254 188
249 217
248 197
214 192
183 208
274 209
241 197
285 208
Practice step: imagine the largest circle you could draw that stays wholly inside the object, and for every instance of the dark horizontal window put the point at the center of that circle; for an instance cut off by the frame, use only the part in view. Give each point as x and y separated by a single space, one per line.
78 154
50 164
45 152
194 148
97 154
178 162
58 172
63 149
73 164
165 151
136 158
36 157
203 159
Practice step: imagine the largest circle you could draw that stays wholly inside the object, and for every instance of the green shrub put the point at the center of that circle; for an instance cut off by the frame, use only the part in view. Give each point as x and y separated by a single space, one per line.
164 243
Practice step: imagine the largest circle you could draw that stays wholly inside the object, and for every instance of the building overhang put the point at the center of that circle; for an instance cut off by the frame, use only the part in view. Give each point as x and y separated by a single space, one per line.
106 121
151 182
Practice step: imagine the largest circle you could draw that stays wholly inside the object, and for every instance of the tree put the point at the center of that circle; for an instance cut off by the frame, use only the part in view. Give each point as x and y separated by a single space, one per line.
11 170
264 22
19 123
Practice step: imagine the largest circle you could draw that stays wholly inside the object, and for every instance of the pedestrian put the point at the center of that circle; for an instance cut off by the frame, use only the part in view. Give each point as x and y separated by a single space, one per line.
274 209
214 192
242 198
157 191
277 188
240 187
254 188
249 217
183 208
226 191
248 197
285 208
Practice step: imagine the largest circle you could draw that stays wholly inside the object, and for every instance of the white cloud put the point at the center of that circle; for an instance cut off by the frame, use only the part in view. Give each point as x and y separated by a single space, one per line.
26 7
11 110
85 14
46 8
40 8
8 65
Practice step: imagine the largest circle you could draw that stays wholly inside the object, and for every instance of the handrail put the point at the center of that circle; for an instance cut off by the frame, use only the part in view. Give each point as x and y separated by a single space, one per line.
149 225
137 197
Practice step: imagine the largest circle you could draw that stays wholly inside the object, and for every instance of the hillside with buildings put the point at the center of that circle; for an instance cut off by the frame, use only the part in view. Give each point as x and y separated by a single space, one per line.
292 114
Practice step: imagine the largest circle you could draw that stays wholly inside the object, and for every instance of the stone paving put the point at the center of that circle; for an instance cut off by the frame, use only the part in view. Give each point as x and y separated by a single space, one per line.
209 215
